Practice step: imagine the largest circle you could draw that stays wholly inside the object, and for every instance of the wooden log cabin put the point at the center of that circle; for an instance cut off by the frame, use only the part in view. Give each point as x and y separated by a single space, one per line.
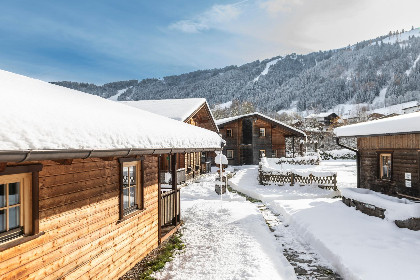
79 187
249 136
194 111
388 154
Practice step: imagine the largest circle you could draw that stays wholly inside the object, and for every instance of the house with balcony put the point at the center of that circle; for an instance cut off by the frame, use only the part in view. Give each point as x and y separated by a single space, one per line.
250 136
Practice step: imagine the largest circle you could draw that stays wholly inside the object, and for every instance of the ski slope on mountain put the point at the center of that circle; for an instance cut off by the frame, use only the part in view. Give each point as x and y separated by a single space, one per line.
266 69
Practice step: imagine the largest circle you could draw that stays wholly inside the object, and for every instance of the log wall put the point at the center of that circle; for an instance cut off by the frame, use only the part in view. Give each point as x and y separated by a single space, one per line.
233 143
405 159
273 143
79 212
203 118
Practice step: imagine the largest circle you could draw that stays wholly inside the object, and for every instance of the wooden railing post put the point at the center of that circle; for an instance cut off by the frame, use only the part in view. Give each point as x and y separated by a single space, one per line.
292 179
335 181
174 187
159 203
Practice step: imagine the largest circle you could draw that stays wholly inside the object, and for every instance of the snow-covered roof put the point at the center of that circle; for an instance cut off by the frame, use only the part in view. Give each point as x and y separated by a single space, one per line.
397 108
414 105
409 123
41 116
177 109
231 119
320 115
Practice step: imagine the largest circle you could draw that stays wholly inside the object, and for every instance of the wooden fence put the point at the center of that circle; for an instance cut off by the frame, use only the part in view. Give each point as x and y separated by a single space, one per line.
324 182
168 207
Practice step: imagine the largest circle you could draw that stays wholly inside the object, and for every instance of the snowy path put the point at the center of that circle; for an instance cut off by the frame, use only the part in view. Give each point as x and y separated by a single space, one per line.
306 262
224 240
356 245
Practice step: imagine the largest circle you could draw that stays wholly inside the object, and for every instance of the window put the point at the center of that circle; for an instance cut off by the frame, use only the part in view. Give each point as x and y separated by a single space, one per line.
131 191
385 166
228 132
262 153
262 131
229 154
15 206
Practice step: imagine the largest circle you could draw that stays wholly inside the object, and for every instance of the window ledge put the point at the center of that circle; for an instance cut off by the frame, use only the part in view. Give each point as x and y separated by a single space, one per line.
131 215
19 240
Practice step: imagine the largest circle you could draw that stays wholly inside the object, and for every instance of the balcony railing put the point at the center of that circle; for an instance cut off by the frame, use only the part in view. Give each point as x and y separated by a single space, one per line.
168 211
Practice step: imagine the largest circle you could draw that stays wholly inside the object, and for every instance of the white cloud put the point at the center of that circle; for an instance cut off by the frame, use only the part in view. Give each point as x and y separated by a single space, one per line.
273 7
188 26
212 18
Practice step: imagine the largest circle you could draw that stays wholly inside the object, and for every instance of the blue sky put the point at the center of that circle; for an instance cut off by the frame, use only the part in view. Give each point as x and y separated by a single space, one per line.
103 41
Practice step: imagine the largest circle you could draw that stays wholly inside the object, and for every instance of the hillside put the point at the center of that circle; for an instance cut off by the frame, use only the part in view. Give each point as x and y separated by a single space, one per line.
381 70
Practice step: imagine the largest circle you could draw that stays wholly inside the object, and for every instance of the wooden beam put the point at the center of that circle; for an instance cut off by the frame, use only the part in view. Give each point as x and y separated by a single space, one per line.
35 203
293 146
170 233
159 203
64 161
107 158
3 166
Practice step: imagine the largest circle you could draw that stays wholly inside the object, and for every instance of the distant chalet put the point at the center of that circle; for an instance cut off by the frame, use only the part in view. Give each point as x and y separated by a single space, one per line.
249 136
388 153
194 111
325 119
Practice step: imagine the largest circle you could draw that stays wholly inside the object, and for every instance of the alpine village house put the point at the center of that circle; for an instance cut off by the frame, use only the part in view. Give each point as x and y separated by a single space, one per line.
79 181
194 111
250 136
388 157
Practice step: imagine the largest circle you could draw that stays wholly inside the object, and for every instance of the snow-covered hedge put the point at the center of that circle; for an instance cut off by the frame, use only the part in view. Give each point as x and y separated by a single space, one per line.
395 208
272 166
337 154
308 159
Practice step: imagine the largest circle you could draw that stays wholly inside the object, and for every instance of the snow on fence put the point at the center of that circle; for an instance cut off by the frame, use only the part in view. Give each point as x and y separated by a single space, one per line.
337 154
308 159
271 172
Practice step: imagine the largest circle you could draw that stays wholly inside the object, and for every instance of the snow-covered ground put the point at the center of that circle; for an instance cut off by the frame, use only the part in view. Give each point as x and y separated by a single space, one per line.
402 36
226 239
222 106
356 245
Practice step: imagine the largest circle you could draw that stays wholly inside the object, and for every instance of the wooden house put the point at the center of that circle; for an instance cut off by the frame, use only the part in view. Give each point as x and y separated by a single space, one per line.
79 181
324 119
249 136
194 111
375 116
388 154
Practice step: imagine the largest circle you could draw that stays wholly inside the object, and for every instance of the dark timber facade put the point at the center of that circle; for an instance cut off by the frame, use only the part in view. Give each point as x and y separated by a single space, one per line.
390 164
249 136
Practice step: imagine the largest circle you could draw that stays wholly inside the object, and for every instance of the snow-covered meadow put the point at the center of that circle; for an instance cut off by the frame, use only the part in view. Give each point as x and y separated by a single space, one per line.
356 245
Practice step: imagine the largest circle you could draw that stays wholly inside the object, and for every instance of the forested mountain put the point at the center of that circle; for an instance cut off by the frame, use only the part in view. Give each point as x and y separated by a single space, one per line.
317 81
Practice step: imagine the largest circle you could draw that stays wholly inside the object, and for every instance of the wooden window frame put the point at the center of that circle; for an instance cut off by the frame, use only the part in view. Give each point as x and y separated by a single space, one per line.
30 203
129 212
262 129
229 135
379 171
227 154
